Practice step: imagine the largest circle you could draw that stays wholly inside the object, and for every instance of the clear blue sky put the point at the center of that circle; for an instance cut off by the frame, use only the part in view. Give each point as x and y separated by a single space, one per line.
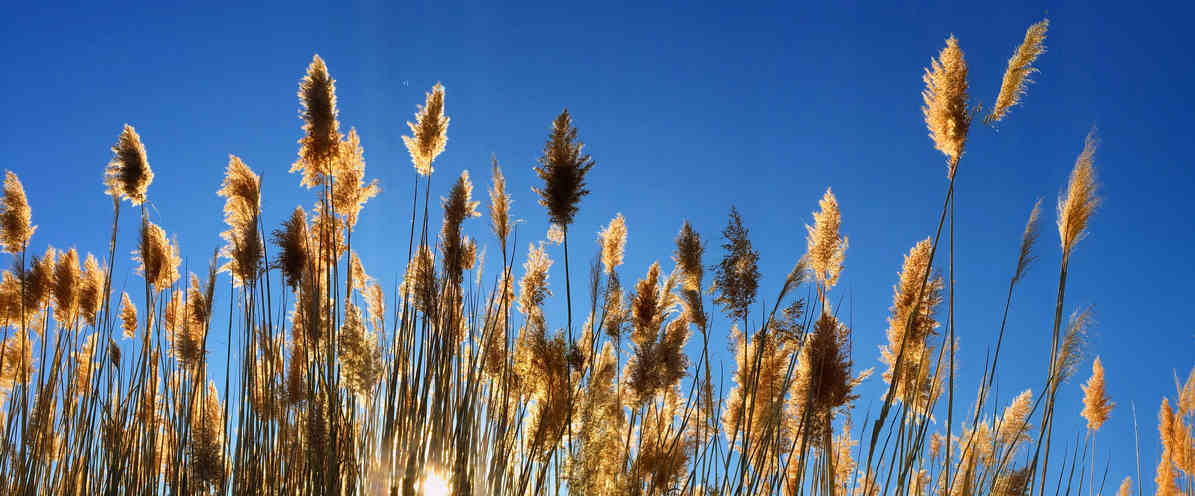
686 111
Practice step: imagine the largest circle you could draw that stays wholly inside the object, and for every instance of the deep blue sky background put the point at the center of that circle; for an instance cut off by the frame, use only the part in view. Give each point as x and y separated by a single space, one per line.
686 111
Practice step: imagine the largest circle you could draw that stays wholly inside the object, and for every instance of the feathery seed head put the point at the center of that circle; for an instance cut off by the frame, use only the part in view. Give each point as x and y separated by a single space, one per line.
1095 401
128 316
38 281
91 292
736 277
457 207
945 96
243 246
318 147
689 250
563 167
292 240
614 241
157 256
419 282
15 216
1028 239
349 191
67 280
825 247
499 204
429 132
128 174
533 287
360 356
1013 424
1080 201
1020 68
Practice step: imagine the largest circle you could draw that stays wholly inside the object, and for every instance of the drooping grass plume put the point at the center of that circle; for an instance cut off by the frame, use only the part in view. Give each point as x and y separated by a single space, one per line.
946 113
16 219
1076 205
429 132
1020 68
128 174
1071 351
1025 255
563 167
243 246
1096 406
320 143
736 277
157 256
614 241
825 246
1013 427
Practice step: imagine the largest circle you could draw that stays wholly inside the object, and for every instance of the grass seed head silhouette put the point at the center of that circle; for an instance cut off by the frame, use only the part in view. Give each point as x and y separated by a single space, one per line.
128 174
563 167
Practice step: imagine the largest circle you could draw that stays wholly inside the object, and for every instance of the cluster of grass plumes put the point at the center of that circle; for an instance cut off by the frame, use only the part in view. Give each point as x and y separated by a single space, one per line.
459 379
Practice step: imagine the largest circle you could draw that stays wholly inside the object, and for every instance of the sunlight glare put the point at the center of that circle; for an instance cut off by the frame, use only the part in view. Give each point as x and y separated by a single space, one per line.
435 484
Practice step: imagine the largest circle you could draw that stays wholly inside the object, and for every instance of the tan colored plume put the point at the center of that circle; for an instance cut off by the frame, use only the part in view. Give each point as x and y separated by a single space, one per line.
1020 68
429 132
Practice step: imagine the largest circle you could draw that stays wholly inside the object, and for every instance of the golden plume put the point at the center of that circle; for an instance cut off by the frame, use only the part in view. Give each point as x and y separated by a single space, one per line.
128 316
429 132
83 368
1126 487
419 282
457 207
1014 428
533 287
91 293
1020 68
38 281
736 277
359 354
915 382
318 146
1080 201
349 191
206 448
1095 402
614 241
242 206
825 247
157 257
499 204
67 279
563 167
945 95
15 216
128 174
